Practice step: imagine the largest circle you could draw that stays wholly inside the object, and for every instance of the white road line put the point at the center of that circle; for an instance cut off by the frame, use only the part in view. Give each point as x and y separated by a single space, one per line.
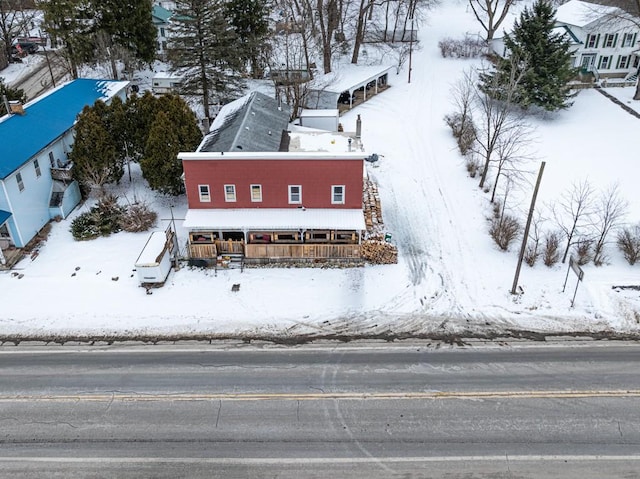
316 460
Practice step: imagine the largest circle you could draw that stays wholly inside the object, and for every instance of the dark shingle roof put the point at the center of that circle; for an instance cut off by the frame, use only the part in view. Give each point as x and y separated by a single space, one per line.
254 122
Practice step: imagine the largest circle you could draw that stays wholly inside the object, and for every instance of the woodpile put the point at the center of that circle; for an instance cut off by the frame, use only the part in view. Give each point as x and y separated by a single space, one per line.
379 251
371 207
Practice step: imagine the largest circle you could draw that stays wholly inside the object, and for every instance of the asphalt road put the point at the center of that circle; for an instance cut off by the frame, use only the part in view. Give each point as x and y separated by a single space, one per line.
43 78
410 411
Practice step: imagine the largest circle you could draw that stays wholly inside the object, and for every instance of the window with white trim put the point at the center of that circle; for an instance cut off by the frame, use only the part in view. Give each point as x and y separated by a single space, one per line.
337 195
605 63
592 41
52 161
230 193
609 40
36 165
205 195
295 194
256 193
627 40
19 181
623 61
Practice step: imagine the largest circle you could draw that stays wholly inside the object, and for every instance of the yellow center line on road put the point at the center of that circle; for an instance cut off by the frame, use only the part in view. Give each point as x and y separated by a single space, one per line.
125 397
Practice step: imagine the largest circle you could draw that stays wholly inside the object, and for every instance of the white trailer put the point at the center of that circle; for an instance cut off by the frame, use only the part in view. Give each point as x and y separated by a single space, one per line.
154 263
165 82
320 119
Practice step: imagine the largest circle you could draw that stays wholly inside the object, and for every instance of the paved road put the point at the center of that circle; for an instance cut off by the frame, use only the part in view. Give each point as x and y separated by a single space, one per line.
39 80
414 411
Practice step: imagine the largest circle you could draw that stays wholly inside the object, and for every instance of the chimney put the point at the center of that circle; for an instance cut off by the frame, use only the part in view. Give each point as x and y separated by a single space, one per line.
358 127
16 107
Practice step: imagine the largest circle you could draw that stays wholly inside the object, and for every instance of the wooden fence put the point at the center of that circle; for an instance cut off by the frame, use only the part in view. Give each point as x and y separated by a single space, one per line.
300 251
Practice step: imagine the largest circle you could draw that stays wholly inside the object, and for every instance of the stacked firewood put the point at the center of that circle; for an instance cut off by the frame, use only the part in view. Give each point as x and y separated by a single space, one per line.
372 209
379 251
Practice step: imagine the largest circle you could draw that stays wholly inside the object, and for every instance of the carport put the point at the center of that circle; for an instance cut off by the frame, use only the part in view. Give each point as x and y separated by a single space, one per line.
329 90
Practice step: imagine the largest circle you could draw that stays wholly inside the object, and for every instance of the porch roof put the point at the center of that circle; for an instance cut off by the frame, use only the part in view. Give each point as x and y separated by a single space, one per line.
268 219
4 216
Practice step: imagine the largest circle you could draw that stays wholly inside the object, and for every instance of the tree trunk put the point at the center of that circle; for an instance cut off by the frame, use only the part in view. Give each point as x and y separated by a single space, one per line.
637 94
362 12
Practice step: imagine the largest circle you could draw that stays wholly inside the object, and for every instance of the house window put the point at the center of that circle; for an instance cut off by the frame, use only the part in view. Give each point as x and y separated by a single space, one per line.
230 193
627 40
623 61
36 165
20 182
204 193
609 40
337 195
256 193
605 63
52 160
162 32
295 194
636 62
592 41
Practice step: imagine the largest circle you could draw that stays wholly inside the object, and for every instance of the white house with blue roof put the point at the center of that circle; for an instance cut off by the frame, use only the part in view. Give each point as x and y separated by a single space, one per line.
36 183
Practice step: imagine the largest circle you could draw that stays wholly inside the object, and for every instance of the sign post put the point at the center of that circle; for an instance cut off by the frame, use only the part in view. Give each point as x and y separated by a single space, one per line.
573 265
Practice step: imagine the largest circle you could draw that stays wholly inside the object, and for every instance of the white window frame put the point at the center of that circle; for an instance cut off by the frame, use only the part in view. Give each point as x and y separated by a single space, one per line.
204 197
592 41
337 198
605 62
609 39
624 62
20 181
627 40
291 194
230 193
36 165
258 198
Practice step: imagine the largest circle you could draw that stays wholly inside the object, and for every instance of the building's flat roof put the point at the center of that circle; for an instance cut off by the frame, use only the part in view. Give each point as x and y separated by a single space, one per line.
271 155
271 219
320 113
154 248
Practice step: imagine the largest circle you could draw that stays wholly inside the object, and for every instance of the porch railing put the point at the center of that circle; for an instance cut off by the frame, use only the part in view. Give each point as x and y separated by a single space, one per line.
301 251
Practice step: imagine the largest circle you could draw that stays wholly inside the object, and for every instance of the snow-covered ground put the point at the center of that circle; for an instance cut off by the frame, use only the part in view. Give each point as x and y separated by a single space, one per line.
451 279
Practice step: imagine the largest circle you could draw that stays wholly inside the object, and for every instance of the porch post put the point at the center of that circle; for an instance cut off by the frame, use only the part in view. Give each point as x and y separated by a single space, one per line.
2 258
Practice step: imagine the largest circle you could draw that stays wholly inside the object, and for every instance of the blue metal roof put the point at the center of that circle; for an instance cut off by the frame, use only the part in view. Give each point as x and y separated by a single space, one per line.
47 118
4 216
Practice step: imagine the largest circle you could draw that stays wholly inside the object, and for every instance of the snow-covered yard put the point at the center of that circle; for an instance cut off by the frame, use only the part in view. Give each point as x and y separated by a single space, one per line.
450 279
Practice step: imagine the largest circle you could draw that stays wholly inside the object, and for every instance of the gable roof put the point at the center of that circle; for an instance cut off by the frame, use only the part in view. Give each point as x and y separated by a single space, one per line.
160 14
47 118
254 122
581 14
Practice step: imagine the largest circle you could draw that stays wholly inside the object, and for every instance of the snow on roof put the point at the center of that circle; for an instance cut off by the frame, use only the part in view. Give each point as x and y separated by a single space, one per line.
313 140
348 77
154 248
320 112
47 118
168 75
273 155
270 219
580 14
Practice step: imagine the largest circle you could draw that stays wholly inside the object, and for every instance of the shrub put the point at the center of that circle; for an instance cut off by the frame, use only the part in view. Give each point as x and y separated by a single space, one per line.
463 130
138 217
473 166
584 251
84 227
504 230
551 253
629 243
531 253
468 47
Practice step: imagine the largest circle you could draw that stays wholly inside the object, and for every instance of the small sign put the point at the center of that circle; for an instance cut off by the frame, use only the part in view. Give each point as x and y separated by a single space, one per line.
576 268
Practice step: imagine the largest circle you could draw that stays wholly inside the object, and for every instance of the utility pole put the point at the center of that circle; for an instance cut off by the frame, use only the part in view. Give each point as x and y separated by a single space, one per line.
410 48
526 229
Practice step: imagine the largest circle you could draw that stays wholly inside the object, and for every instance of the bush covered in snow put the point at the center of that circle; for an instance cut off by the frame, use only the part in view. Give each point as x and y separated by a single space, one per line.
468 47
629 243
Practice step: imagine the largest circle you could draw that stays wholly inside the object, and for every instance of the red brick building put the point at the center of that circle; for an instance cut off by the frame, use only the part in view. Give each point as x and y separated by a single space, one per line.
302 201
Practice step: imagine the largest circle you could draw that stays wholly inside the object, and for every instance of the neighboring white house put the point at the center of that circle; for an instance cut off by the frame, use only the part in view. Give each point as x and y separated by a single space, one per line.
36 180
607 38
604 40
165 82
161 18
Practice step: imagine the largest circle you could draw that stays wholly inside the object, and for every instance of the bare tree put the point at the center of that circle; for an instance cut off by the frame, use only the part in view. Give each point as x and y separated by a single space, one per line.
14 20
498 117
610 211
490 13
573 212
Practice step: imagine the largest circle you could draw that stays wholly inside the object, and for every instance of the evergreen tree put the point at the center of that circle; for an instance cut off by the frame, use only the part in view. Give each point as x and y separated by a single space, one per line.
542 58
160 165
11 93
174 129
204 49
249 19
141 111
94 152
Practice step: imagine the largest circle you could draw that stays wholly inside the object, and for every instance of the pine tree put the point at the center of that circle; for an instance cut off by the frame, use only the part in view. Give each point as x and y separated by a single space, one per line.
94 152
542 58
203 49
249 21
11 93
160 165
174 129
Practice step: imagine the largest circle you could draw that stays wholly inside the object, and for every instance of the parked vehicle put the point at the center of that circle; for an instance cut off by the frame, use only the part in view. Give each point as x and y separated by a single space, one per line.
23 46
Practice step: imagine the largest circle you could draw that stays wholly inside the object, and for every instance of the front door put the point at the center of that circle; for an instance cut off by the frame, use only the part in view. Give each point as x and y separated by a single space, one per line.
587 61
